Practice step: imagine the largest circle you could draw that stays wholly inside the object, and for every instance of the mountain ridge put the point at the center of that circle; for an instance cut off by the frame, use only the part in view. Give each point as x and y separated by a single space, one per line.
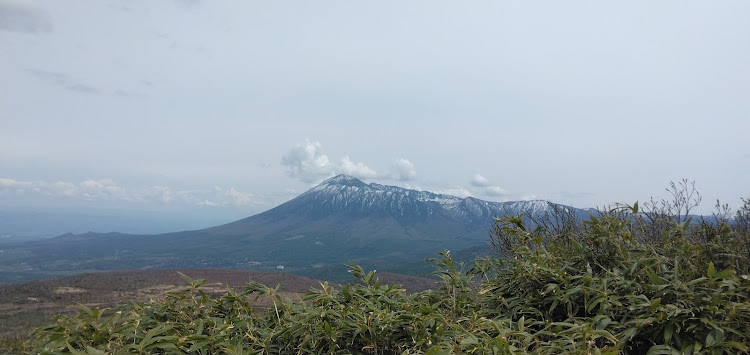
345 193
340 220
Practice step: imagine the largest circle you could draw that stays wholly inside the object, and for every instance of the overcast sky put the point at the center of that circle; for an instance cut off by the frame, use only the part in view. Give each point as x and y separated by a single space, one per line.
242 105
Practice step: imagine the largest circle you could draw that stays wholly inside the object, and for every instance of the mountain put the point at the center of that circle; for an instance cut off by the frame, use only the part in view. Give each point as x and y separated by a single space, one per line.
346 197
317 233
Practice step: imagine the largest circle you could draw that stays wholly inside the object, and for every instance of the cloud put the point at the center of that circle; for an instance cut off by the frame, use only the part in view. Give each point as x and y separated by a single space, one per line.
358 170
214 197
64 81
107 190
59 188
90 190
162 193
207 203
495 191
232 196
406 170
458 192
24 17
479 181
307 163
486 187
5 182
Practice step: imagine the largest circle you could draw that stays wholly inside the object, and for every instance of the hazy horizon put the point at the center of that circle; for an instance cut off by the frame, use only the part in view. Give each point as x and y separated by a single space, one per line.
194 112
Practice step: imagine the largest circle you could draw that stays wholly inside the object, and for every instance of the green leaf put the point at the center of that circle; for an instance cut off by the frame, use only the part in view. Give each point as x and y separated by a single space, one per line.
437 350
94 351
656 279
629 333
74 351
86 310
201 325
470 340
711 270
668 331
149 339
737 345
587 281
655 303
714 337
662 349
724 274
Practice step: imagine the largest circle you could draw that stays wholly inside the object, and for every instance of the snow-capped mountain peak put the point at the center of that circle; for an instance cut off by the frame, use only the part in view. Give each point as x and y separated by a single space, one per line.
348 196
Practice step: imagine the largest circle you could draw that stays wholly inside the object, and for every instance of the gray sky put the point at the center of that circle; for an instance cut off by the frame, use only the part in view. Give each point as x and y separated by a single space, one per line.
241 105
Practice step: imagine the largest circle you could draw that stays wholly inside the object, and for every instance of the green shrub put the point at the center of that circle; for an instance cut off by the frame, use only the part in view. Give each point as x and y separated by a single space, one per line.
620 292
622 282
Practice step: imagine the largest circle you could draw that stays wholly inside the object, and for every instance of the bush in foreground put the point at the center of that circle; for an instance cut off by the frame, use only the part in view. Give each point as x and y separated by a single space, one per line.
622 282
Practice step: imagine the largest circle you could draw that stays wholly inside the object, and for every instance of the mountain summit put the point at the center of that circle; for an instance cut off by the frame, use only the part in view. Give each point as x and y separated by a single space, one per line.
349 196
342 179
340 220
353 198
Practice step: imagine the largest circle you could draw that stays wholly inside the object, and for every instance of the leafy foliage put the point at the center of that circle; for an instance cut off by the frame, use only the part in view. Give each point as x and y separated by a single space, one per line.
611 288
607 285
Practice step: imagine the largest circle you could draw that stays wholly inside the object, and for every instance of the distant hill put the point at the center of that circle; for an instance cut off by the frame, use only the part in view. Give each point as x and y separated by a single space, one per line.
316 234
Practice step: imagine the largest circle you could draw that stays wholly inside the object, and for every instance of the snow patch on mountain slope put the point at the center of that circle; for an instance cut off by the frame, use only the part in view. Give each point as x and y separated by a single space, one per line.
341 192
533 207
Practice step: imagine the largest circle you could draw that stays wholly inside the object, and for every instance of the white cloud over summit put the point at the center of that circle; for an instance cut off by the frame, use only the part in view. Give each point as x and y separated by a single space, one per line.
406 170
356 169
307 163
